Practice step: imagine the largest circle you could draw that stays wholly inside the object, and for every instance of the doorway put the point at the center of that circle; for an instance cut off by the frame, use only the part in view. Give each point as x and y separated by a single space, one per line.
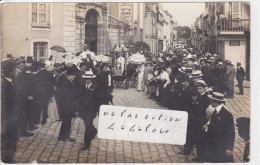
91 30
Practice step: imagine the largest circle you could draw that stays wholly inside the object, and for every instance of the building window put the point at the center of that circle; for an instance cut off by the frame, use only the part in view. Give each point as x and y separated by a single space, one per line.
235 10
41 15
40 49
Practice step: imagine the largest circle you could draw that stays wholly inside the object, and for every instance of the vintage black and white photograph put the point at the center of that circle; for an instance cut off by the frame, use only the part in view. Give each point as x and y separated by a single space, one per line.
125 82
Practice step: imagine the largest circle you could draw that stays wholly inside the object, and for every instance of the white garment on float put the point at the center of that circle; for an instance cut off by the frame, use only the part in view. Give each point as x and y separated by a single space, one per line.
121 63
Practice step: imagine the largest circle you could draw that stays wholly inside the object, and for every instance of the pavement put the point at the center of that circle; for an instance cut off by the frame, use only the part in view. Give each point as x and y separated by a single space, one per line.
44 146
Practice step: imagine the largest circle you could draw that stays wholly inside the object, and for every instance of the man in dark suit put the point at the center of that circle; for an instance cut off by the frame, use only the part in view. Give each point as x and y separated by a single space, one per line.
201 104
102 86
88 111
186 104
9 113
26 98
68 100
45 90
220 131
240 78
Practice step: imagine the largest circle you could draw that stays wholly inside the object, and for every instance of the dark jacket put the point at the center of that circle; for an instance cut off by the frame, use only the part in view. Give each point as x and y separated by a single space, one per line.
88 99
25 86
9 116
69 94
202 103
102 85
186 99
45 84
240 74
221 134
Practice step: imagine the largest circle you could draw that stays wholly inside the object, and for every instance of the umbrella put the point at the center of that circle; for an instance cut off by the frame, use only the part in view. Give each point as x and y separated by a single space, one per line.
58 49
102 58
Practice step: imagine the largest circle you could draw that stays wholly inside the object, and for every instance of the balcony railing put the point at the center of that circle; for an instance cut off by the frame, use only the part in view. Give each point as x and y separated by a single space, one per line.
237 25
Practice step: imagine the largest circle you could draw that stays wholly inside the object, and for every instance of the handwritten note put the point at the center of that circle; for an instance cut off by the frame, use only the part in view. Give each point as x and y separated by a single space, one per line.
142 124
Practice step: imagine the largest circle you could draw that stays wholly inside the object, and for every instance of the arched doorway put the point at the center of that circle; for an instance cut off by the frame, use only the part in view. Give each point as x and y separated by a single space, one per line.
91 30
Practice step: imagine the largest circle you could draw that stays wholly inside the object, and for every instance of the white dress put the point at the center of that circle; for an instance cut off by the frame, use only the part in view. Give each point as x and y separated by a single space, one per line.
53 114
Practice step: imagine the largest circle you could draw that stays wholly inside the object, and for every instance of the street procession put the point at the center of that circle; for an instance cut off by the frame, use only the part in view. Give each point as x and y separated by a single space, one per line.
60 94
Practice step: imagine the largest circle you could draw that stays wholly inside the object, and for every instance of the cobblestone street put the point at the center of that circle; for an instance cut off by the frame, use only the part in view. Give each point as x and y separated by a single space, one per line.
45 147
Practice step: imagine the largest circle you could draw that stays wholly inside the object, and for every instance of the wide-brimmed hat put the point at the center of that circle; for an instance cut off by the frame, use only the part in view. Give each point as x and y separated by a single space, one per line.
200 83
185 70
72 70
217 96
196 74
7 67
88 75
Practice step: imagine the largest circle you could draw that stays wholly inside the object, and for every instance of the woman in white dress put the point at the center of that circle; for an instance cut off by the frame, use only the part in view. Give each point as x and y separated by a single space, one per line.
140 85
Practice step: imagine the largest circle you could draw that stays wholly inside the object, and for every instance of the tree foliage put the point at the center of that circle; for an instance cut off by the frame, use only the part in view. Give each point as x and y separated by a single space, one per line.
183 32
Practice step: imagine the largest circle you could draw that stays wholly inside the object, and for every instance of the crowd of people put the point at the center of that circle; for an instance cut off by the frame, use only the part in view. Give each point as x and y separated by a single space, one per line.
34 93
198 83
180 79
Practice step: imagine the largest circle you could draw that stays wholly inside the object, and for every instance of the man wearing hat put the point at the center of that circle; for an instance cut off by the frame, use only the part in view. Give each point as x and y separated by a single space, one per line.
20 66
88 111
201 103
68 100
243 125
186 104
9 113
102 82
45 89
240 77
220 131
26 98
230 79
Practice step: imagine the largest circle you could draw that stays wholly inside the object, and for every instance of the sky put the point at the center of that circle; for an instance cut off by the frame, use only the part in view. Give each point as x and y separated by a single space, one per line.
185 13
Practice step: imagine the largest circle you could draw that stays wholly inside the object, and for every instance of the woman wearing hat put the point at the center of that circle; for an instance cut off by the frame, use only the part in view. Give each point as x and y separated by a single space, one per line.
88 111
220 131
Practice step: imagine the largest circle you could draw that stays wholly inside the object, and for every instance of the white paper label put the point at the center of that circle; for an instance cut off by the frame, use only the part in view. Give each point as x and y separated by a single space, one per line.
142 124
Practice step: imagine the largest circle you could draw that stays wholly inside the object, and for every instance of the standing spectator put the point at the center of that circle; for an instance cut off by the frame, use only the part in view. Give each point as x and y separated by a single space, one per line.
230 79
88 111
102 86
220 131
69 97
140 84
240 78
201 104
147 76
45 90
186 104
20 67
243 125
26 98
9 113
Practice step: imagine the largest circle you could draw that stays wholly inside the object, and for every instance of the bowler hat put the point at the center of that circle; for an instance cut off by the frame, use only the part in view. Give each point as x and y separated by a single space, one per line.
7 67
88 75
71 71
217 96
